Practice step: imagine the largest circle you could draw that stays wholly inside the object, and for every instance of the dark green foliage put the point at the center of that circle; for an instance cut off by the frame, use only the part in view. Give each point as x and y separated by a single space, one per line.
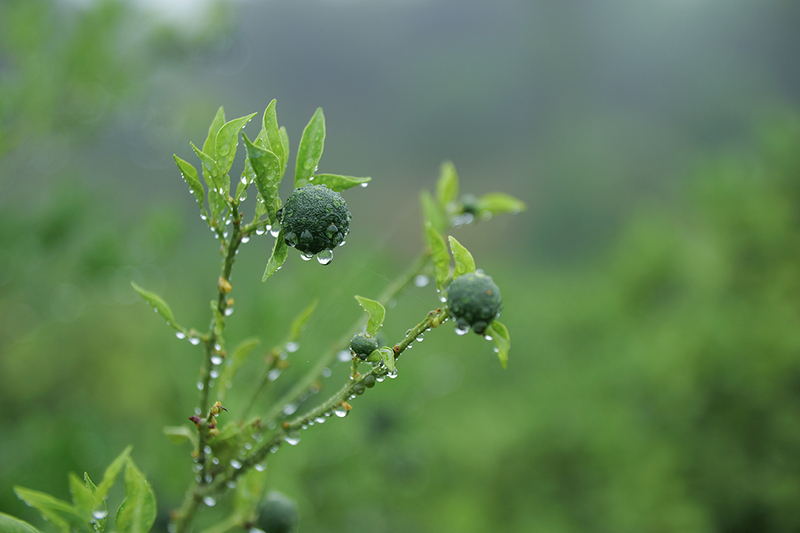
363 344
474 300
314 219
278 514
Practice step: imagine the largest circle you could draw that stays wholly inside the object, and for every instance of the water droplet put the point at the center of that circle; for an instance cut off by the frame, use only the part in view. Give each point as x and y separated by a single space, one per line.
307 257
326 372
420 338
231 484
290 409
99 514
209 478
292 347
274 232
197 467
244 180
207 450
224 149
320 420
214 374
496 349
260 467
462 330
274 374
215 460
292 438
217 346
261 231
344 356
228 311
181 335
216 359
194 341
208 500
364 185
342 243
340 411
197 411
199 385
248 446
245 239
236 464
381 378
308 163
488 337
392 374
325 257
421 281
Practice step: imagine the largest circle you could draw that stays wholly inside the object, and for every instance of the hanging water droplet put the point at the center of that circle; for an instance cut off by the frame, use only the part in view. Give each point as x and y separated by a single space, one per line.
245 239
228 311
274 374
325 257
307 257
244 180
344 356
181 335
462 330
236 464
340 411
392 374
380 378
215 460
99 514
420 337
496 350
364 185
194 341
197 467
260 467
199 385
261 231
292 438
231 484
488 337
207 450
292 347
274 232
197 411
290 409
216 359
320 420
342 243
208 500
326 372
214 374
421 281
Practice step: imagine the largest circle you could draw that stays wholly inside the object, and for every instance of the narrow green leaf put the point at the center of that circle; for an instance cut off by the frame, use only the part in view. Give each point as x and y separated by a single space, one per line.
338 183
219 320
497 203
61 514
227 141
310 149
285 143
181 434
233 362
159 305
502 340
110 475
268 171
300 321
138 512
82 497
447 185
387 355
270 135
376 313
9 524
99 508
279 253
441 259
211 171
210 144
432 212
464 261
189 175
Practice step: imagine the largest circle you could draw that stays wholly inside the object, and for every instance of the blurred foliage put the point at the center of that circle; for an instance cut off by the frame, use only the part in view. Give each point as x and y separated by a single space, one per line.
655 388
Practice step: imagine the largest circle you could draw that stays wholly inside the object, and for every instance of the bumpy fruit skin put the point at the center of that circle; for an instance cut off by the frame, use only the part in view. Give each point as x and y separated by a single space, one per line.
474 300
363 344
278 514
314 218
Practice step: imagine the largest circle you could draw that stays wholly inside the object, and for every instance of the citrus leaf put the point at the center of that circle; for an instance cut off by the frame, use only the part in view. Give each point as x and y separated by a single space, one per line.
268 171
387 356
338 183
464 261
376 313
279 254
447 185
82 497
138 512
299 323
227 141
61 514
310 150
159 305
181 434
498 203
432 212
9 524
210 144
441 259
189 175
285 142
270 135
502 340
211 171
110 475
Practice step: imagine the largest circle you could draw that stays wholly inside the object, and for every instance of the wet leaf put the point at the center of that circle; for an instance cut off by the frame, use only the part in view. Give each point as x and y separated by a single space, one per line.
227 141
111 473
249 493
210 144
82 497
300 321
9 524
181 434
387 356
433 212
464 261
441 259
285 141
233 362
338 183
447 185
501 339
189 174
279 254
270 135
268 170
138 512
376 313
59 513
160 306
310 150
498 203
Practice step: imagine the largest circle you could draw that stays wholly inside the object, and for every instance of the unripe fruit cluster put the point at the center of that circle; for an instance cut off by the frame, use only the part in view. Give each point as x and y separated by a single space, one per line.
314 218
363 344
474 301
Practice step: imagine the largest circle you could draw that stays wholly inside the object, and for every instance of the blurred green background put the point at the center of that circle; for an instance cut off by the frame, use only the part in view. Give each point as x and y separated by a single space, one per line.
651 289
